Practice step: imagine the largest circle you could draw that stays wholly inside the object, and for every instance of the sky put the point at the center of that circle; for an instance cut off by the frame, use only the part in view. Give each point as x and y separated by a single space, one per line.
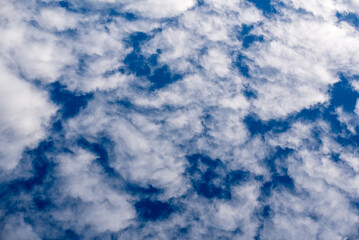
168 119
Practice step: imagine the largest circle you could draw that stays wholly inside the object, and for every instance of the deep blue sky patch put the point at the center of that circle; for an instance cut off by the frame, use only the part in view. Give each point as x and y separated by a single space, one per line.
211 179
348 17
342 95
142 66
71 103
265 6
241 65
148 210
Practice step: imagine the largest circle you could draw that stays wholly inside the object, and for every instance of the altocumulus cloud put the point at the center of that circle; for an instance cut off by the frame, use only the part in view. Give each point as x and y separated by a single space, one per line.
165 119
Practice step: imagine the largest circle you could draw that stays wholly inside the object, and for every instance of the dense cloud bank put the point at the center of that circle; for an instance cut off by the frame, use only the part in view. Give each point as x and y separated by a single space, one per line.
166 119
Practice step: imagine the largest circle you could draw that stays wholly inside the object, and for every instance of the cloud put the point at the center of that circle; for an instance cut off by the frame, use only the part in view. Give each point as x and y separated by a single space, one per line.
36 53
160 9
297 54
16 228
24 117
58 19
101 207
179 119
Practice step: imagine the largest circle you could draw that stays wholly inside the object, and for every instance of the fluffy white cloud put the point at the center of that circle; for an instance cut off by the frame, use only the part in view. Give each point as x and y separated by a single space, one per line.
37 54
141 154
25 113
296 65
160 9
16 228
102 208
57 18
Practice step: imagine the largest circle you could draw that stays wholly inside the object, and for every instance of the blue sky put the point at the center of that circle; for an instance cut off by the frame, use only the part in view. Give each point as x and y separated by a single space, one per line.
167 119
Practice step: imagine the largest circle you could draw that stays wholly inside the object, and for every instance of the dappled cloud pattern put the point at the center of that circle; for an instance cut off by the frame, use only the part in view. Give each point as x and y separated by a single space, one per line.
168 119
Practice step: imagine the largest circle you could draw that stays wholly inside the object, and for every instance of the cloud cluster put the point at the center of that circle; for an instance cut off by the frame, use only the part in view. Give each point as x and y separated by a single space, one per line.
186 119
25 113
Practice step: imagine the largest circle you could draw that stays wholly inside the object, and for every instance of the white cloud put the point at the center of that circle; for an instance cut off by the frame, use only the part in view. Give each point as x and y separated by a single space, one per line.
37 54
25 113
322 9
230 216
16 228
296 64
160 9
216 62
141 154
357 107
57 18
103 208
